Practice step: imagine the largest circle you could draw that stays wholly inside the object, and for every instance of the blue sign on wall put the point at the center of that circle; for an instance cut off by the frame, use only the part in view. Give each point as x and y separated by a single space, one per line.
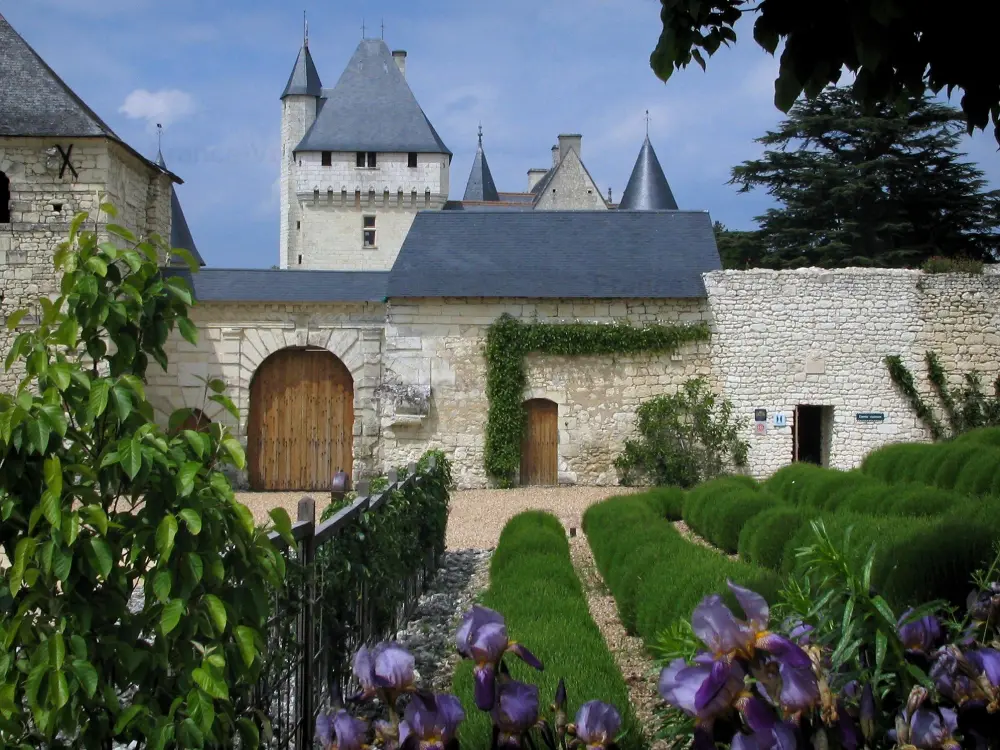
870 416
780 420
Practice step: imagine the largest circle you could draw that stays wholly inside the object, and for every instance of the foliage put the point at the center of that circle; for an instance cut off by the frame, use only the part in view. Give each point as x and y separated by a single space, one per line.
509 340
763 538
896 50
880 188
99 502
968 467
942 264
655 574
683 438
717 510
902 378
850 669
738 249
668 501
532 581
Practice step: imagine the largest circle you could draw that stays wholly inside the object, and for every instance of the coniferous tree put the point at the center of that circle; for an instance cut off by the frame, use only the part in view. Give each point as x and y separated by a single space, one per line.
874 187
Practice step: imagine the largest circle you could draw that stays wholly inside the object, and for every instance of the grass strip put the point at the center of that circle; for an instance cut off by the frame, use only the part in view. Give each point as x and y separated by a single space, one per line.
534 586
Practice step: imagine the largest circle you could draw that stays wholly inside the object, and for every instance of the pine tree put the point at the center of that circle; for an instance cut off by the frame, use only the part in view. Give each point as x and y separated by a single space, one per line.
874 187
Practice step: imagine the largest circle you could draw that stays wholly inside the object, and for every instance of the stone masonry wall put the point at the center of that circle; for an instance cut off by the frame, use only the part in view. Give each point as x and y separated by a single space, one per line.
439 343
819 337
43 205
235 338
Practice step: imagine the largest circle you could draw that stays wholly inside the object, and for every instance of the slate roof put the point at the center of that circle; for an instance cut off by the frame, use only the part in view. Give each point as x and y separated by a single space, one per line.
546 254
480 186
180 232
36 102
286 285
371 109
304 80
647 188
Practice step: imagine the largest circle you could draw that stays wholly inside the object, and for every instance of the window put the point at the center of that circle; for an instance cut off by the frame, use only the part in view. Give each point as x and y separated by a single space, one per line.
300 260
4 199
366 159
368 231
298 225
327 158
360 159
371 160
411 159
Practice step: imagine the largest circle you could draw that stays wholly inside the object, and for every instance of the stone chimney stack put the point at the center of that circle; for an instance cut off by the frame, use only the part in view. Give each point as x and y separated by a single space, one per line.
534 175
570 142
399 56
555 156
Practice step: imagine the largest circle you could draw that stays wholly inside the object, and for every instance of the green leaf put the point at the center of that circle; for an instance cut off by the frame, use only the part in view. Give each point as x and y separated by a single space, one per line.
24 550
787 87
171 615
61 374
86 674
96 266
123 401
38 434
102 556
179 288
191 519
185 481
200 442
53 474
131 457
58 689
188 330
195 567
98 400
15 318
204 680
165 534
282 524
57 651
217 385
217 610
235 450
200 708
226 403
162 582
96 517
245 640
120 231
56 418
109 209
127 716
188 259
51 508
248 733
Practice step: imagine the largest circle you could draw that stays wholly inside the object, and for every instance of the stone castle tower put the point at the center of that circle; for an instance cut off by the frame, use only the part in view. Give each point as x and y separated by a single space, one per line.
358 161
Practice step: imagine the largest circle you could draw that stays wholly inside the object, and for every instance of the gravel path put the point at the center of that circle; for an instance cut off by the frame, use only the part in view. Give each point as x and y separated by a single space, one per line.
640 672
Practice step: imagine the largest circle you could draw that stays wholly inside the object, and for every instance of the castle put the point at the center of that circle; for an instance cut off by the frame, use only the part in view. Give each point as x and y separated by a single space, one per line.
365 347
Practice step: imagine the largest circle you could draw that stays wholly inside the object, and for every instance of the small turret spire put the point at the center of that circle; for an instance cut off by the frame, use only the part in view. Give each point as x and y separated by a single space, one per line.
159 147
481 186
647 123
480 136
647 188
305 30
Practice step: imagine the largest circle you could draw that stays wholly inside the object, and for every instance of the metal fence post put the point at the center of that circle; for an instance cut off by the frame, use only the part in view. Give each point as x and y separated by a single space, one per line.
307 634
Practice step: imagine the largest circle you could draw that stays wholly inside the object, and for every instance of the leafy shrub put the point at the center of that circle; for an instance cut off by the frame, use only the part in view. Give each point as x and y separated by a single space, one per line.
941 264
99 502
791 481
875 499
981 436
956 456
668 501
717 510
764 537
832 488
683 439
534 585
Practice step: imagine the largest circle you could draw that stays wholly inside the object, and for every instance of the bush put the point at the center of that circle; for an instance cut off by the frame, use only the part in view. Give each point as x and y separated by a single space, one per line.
653 572
942 264
533 584
99 501
668 501
956 456
791 482
720 509
763 537
981 436
683 439
698 505
833 488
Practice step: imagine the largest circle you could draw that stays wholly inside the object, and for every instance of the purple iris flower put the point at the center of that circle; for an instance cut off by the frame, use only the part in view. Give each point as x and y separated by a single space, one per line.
921 635
781 736
703 691
388 666
742 741
482 637
430 727
987 662
597 724
515 711
340 731
799 688
949 675
931 729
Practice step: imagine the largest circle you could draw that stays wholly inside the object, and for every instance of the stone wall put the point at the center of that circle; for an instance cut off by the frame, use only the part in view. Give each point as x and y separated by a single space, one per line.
235 338
43 205
819 337
438 343
297 114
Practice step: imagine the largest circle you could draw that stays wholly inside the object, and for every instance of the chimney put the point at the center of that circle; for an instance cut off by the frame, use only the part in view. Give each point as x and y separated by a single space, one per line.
534 175
399 57
569 142
555 156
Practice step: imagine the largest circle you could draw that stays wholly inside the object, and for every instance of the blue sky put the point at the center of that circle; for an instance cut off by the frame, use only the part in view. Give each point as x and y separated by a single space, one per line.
212 71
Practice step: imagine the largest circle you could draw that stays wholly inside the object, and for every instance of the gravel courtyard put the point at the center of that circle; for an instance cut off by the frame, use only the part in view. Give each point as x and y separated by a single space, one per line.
477 516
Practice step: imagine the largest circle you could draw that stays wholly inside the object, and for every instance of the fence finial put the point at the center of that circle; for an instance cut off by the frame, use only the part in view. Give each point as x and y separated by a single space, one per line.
393 476
411 468
307 509
363 485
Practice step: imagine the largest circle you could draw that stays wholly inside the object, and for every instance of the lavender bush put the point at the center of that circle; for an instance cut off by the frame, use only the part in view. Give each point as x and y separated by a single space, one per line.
430 721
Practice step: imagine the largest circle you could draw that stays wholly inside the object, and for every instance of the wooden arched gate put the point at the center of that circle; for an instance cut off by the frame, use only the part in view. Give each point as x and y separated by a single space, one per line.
540 443
301 421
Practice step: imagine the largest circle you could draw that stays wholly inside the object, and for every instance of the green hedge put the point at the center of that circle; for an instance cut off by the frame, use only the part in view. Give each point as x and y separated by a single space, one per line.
970 464
668 501
655 575
763 538
981 436
717 510
534 586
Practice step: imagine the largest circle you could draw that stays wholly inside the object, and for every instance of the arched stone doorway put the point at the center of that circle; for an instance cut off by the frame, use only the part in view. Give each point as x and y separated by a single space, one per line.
540 443
196 421
4 199
301 423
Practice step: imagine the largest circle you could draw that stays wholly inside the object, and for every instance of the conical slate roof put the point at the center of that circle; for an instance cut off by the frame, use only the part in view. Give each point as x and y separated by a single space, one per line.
304 80
34 101
480 186
372 109
647 188
180 232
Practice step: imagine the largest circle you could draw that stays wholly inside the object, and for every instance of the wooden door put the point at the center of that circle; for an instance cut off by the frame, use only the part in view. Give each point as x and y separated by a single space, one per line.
540 443
301 421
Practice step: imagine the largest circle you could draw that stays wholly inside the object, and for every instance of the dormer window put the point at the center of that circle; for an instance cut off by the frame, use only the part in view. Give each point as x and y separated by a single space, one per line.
411 159
366 159
327 158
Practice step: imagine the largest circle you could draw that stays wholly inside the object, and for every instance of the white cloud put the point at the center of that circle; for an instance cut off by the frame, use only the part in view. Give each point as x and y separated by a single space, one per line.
164 107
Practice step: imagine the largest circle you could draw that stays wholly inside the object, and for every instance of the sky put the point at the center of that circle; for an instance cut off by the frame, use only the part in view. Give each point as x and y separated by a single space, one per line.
211 72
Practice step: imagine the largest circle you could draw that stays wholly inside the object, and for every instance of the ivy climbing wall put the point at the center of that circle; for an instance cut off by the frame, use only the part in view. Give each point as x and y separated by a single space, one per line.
441 343
820 337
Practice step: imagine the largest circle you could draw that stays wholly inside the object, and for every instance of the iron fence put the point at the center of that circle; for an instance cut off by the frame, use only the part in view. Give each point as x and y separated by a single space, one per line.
310 640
